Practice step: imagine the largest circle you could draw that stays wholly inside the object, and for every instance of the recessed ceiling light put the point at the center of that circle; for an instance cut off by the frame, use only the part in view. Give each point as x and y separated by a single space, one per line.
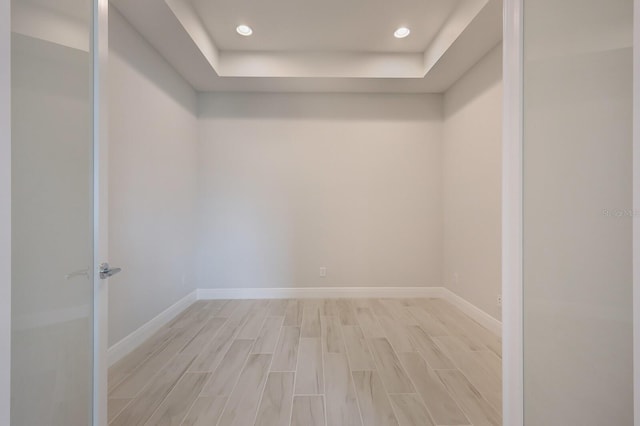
244 30
402 32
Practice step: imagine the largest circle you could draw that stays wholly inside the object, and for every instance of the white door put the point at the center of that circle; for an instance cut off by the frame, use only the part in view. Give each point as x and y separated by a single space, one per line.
569 84
57 296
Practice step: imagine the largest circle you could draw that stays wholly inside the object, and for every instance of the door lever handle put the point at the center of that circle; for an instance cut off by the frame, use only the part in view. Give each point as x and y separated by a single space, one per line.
107 271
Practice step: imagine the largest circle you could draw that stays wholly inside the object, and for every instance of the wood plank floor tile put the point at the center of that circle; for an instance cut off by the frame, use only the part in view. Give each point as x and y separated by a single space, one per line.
397 334
443 408
310 319
489 339
410 410
360 358
392 373
186 316
204 336
309 372
138 379
286 353
373 400
308 411
115 407
206 411
370 362
293 314
253 325
244 312
216 306
331 332
213 353
360 303
278 307
369 323
429 350
277 399
268 336
454 325
329 308
429 324
177 404
491 362
226 375
400 312
341 400
472 365
228 309
142 407
495 345
480 412
123 368
380 309
346 312
196 319
242 405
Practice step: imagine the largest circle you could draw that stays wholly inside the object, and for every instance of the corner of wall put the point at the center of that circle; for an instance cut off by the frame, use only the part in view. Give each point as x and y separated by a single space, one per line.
153 182
472 186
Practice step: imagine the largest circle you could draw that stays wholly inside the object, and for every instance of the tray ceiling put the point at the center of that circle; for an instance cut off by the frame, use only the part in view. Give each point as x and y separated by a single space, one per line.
329 45
326 26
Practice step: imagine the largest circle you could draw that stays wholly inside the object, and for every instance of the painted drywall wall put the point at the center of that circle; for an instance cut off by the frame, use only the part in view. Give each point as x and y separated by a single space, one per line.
5 212
578 215
152 181
290 183
472 184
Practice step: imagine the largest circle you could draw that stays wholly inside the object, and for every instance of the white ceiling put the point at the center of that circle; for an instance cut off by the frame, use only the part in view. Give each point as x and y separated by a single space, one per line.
324 25
319 46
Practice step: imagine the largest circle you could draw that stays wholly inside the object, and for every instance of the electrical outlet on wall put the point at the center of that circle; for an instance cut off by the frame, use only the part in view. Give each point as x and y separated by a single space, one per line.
499 300
323 271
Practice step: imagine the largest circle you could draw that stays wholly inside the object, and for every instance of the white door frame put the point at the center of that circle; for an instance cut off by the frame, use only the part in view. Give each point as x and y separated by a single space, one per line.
512 223
636 208
100 41
5 212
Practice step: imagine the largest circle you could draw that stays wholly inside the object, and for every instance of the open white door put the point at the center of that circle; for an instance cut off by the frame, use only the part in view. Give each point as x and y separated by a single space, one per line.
53 191
572 197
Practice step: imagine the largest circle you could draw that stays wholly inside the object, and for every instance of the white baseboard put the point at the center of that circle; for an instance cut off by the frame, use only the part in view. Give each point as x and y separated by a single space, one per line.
477 314
133 340
318 292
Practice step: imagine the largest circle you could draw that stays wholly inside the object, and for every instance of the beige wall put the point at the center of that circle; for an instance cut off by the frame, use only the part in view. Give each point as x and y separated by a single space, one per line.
152 181
292 183
471 161
279 185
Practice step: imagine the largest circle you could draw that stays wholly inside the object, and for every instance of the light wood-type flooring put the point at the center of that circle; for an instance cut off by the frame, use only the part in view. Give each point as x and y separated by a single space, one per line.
329 362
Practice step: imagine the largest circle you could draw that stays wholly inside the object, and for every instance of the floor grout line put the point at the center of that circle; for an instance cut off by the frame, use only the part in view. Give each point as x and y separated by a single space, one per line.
295 373
324 374
233 339
344 342
395 352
